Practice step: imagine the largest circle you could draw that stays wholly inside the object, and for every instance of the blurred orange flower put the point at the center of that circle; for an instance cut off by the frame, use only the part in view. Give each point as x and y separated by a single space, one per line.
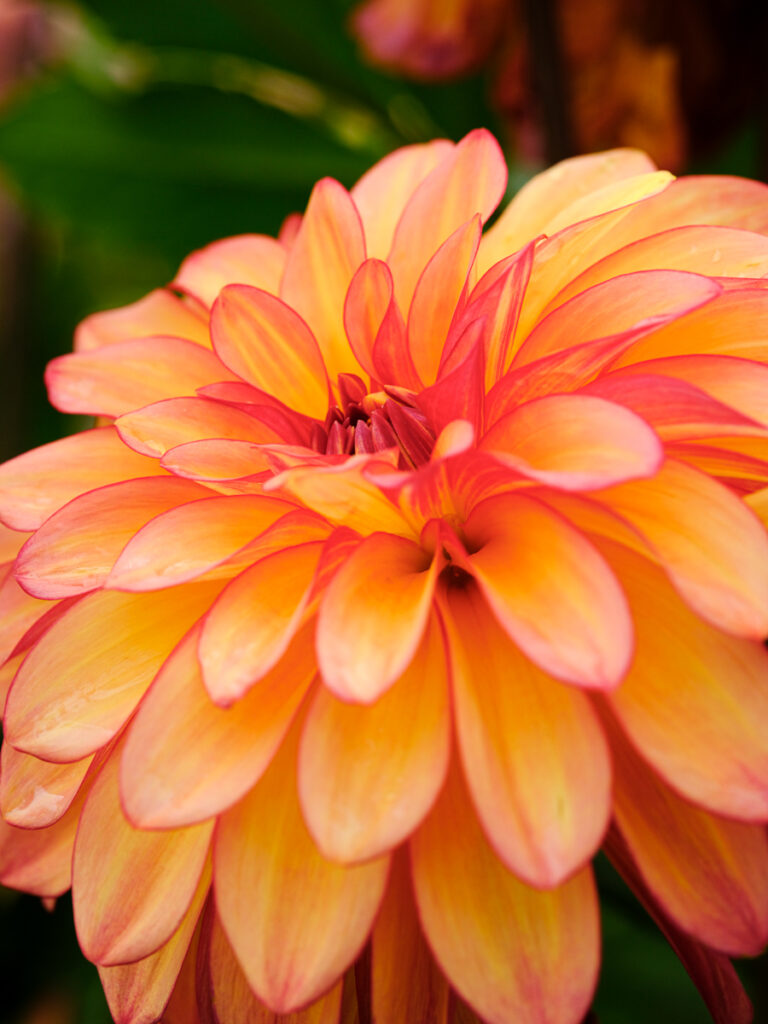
409 559
621 84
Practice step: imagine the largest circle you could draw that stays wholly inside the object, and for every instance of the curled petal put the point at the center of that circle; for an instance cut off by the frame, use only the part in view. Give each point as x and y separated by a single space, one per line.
255 260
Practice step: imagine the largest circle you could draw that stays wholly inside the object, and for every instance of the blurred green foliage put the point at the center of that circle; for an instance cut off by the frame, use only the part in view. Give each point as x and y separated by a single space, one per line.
168 125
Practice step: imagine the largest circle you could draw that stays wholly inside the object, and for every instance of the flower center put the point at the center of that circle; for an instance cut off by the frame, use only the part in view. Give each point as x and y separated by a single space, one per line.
368 422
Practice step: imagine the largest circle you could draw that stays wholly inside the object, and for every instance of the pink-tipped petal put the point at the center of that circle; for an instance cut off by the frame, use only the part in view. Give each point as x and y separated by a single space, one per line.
39 861
279 900
86 675
328 249
470 179
159 313
382 193
534 756
562 605
575 442
35 484
129 374
514 953
177 728
690 521
709 874
255 260
365 782
74 551
269 345
384 590
34 793
193 539
253 621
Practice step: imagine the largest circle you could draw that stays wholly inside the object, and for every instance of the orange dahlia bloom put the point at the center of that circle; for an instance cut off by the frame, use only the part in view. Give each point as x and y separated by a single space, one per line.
411 566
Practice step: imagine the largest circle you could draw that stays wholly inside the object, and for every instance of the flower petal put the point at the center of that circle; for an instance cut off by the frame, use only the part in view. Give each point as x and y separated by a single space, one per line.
157 428
328 249
514 953
534 756
267 344
256 260
254 619
35 484
575 442
83 679
178 728
405 982
34 793
471 179
720 759
546 195
365 782
382 193
439 294
39 861
233 999
375 327
137 993
193 539
279 900
710 875
129 374
690 521
75 549
159 313
561 605
130 888
384 589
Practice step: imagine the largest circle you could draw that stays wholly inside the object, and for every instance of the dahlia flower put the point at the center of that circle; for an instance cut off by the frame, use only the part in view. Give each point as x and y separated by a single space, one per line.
408 566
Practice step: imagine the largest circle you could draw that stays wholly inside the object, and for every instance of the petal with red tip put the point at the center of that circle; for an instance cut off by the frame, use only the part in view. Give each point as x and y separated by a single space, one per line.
546 195
159 313
35 484
74 551
129 374
193 539
376 329
471 179
256 260
177 728
251 624
439 294
130 888
328 249
34 793
365 782
640 299
405 982
534 755
575 442
18 613
685 670
710 875
279 899
268 344
382 193
137 993
514 953
690 521
559 602
85 676
39 860
714 251
384 590
157 428
235 1003
236 463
